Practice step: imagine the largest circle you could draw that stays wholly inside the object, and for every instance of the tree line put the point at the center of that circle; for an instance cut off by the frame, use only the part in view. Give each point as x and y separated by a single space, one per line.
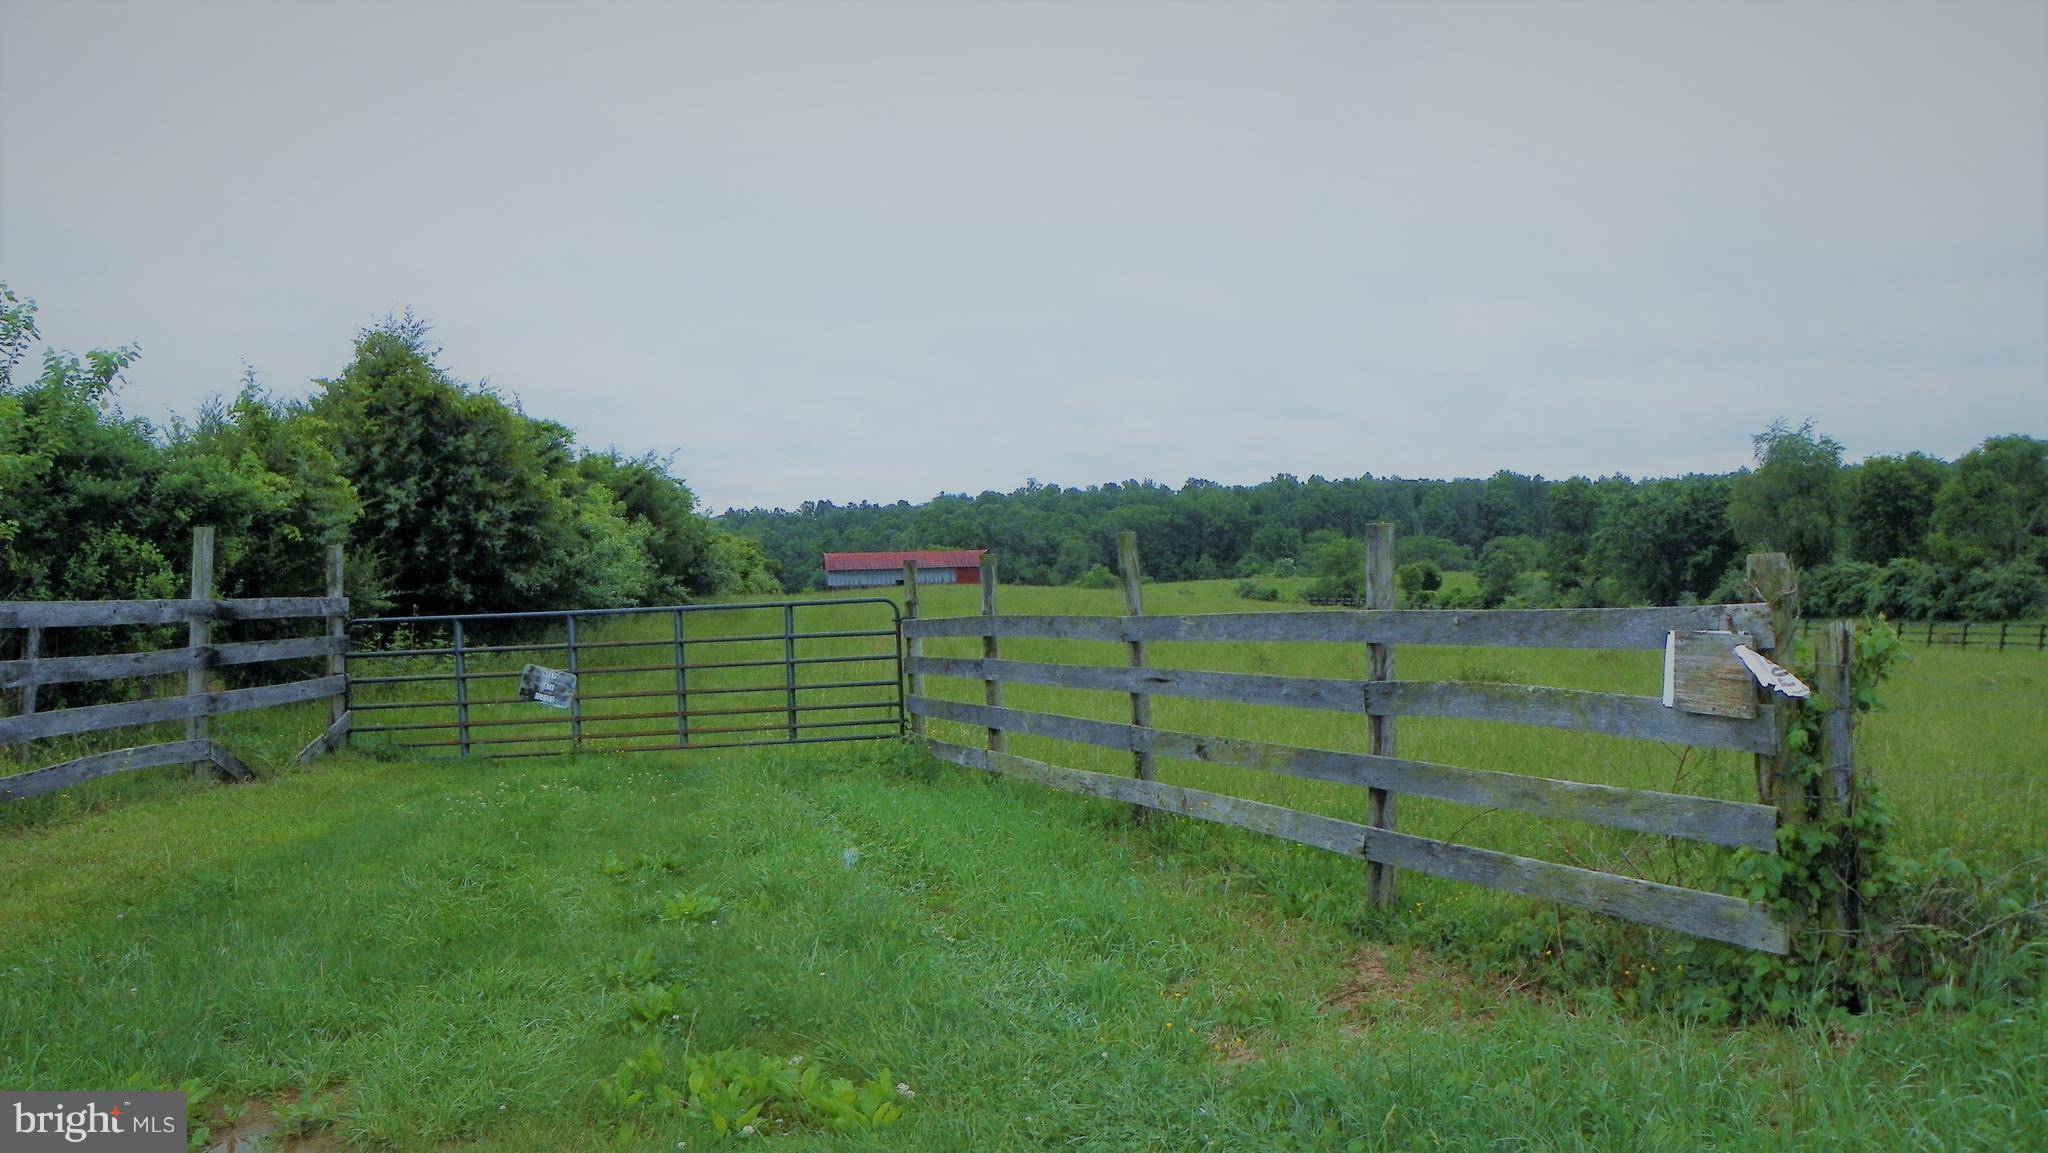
446 495
1909 536
450 498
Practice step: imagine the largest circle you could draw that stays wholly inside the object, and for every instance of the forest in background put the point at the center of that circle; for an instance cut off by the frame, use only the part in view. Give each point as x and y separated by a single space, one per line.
1910 536
450 498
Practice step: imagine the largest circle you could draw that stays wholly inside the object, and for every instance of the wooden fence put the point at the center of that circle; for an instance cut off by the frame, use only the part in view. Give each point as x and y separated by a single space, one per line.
32 671
1759 729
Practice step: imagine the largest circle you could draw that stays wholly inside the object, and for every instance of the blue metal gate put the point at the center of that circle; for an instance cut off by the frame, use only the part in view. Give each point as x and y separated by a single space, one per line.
645 679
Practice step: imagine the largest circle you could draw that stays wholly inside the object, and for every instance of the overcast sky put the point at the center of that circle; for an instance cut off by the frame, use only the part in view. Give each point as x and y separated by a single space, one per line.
875 252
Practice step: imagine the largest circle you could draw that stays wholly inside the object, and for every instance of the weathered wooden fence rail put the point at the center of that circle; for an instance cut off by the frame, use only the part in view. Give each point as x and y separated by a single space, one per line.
1483 628
26 675
1728 823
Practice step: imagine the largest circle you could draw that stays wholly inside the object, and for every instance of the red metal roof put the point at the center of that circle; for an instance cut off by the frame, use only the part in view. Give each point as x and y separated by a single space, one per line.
867 561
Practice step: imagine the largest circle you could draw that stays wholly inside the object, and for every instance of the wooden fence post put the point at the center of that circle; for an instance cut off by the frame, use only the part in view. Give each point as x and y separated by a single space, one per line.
337 630
31 648
199 635
1379 594
1141 703
991 649
1837 659
1772 576
913 647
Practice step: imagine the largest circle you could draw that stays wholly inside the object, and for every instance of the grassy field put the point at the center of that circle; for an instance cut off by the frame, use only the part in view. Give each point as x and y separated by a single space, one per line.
429 953
444 958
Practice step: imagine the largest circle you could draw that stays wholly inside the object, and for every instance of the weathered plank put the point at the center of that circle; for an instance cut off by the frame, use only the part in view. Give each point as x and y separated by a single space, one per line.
31 648
1379 668
94 718
1338 836
199 635
992 649
82 769
82 614
913 646
1703 675
1707 819
1330 695
1614 714
1713 916
226 763
1642 628
337 633
1143 764
163 662
328 741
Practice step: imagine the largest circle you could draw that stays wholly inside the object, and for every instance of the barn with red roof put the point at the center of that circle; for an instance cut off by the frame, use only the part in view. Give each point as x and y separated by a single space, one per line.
867 570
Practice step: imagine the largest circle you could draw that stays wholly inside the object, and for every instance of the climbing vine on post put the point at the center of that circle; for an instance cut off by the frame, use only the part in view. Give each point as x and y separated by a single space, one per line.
1834 831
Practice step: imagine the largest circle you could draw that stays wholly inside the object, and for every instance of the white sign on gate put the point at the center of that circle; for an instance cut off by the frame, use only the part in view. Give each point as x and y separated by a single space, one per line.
551 687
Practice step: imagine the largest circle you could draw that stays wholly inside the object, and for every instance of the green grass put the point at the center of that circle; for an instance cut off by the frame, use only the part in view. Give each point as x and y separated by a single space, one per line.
432 947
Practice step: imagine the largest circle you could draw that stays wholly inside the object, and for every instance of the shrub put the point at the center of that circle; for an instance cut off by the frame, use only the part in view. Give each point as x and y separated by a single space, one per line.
1457 598
2011 590
1446 555
1097 577
1339 565
1256 591
1909 589
1533 590
1418 580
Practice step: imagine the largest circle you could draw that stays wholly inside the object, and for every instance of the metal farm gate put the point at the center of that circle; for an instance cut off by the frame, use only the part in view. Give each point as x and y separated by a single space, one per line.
628 680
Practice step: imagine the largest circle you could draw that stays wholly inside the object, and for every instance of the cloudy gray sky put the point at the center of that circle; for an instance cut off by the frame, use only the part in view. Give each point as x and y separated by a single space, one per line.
878 251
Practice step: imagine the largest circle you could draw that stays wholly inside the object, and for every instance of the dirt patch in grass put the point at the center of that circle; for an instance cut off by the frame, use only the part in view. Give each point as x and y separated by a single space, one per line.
1381 981
273 1126
1229 1048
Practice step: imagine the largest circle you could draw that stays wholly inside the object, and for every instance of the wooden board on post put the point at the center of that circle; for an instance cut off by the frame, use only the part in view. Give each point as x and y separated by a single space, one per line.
199 634
1379 594
1702 675
1142 762
991 649
915 645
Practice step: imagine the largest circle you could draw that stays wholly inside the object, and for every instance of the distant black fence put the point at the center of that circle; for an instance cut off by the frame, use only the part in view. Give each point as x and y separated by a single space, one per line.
1999 635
